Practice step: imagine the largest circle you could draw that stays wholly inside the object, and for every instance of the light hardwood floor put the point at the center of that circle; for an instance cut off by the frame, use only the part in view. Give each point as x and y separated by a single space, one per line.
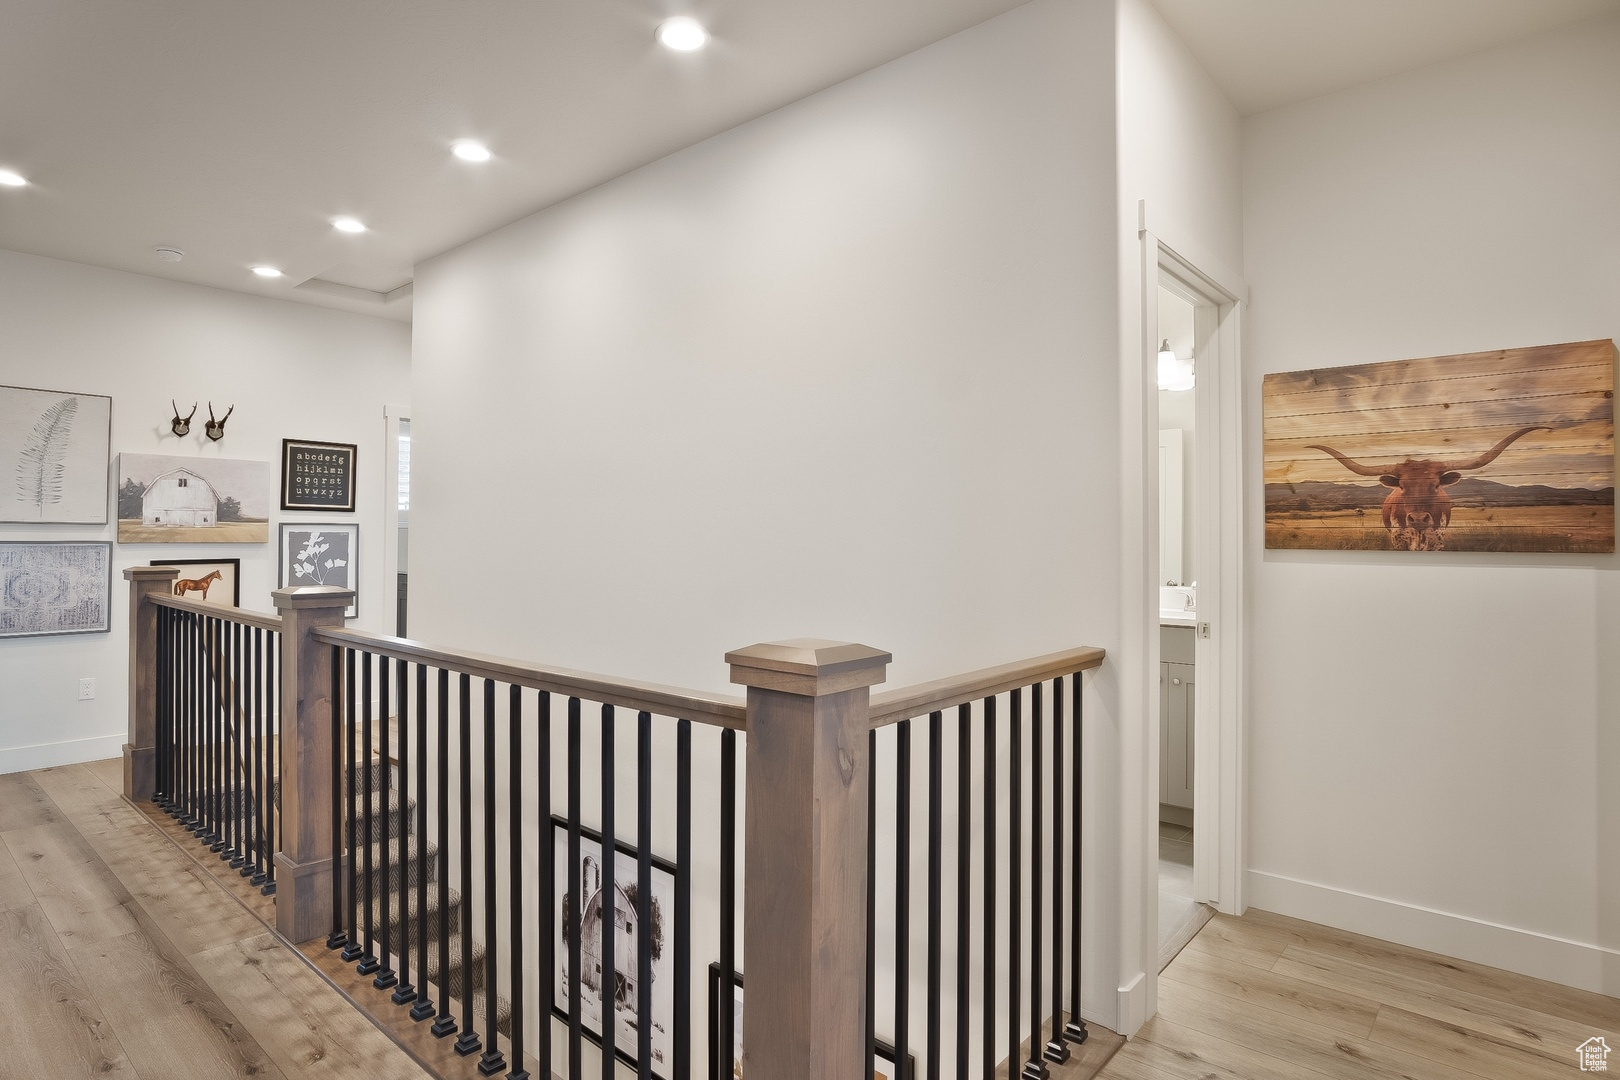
122 959
1270 998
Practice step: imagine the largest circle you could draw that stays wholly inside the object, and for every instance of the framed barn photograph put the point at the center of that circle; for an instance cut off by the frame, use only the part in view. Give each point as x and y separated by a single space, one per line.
623 896
192 500
321 554
884 1056
53 588
1511 450
54 450
317 475
213 581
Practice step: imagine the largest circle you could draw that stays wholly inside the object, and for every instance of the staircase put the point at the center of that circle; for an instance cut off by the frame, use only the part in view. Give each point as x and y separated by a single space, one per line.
411 860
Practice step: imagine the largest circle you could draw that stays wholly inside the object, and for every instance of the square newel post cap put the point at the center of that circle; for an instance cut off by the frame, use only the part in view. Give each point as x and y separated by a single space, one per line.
312 596
151 573
809 667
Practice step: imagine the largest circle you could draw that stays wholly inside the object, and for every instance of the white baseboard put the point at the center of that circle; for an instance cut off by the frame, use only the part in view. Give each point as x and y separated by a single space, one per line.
1542 956
1134 1004
49 755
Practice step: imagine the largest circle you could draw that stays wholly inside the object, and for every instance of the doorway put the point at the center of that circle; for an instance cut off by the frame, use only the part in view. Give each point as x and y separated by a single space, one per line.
1181 915
1178 270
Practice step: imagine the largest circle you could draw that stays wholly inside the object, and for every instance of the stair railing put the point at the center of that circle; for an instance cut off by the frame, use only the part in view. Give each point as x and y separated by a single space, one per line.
418 837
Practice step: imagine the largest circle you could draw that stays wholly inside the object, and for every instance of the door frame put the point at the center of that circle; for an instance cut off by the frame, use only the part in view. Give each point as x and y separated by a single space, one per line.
1174 258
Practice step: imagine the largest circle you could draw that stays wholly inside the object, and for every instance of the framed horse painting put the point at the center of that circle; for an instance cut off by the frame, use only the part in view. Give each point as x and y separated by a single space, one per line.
213 581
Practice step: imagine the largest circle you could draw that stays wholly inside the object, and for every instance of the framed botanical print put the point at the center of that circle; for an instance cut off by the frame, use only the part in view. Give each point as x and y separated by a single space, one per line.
321 554
54 449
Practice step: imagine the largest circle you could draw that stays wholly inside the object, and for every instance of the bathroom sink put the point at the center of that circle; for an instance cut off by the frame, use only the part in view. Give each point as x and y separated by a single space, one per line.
1178 605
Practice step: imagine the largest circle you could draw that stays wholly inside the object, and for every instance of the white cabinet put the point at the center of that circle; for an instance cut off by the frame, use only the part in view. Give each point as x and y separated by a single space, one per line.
1176 681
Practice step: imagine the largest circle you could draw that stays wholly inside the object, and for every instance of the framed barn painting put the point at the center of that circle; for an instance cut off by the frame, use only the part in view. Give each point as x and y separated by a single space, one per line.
625 913
192 500
313 554
884 1056
51 588
1510 450
213 581
54 450
317 475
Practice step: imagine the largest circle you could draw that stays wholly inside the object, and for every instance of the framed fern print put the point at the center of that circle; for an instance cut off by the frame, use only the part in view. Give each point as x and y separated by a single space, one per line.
54 450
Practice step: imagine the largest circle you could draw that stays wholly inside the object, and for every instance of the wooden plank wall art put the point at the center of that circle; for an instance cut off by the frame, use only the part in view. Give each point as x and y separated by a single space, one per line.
1494 451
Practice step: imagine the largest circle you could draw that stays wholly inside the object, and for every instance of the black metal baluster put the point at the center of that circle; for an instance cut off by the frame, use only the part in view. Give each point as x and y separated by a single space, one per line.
571 930
272 749
445 1025
964 875
337 939
254 870
160 794
216 753
989 1018
644 1018
1035 1067
902 899
186 781
405 992
683 900
492 1062
514 802
385 974
871 901
546 833
227 695
369 798
239 801
1057 1051
423 1008
353 950
728 892
1075 1030
935 812
1015 881
608 986
467 1042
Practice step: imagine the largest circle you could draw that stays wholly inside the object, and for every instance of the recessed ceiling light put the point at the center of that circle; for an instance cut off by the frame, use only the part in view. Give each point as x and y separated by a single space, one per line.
682 33
469 150
266 271
348 224
170 254
11 179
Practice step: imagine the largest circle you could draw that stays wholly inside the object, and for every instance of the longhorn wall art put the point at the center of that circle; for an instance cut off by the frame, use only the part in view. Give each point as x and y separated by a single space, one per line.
1510 450
54 449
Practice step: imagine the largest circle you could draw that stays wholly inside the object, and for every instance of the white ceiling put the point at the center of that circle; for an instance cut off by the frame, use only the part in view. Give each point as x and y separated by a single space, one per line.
235 131
1268 53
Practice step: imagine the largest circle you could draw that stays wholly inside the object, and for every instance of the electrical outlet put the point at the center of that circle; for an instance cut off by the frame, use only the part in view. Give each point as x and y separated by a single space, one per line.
87 689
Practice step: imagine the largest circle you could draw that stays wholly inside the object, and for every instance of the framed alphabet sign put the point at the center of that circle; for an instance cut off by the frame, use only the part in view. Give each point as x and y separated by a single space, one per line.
317 475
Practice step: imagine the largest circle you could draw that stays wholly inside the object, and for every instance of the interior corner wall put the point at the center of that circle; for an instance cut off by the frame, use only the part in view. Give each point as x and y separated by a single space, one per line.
1435 738
291 370
846 371
1179 151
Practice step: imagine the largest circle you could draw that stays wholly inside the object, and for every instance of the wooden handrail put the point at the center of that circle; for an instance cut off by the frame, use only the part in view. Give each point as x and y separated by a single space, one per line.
216 611
908 701
714 709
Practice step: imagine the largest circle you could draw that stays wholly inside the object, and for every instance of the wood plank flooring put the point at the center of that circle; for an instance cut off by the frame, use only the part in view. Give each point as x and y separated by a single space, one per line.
125 958
1270 998
122 959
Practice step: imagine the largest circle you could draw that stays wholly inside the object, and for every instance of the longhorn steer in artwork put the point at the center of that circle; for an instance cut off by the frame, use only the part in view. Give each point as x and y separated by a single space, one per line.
1418 507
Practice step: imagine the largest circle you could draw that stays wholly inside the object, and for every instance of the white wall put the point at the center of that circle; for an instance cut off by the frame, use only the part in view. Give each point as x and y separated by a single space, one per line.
1179 146
1436 740
291 370
846 371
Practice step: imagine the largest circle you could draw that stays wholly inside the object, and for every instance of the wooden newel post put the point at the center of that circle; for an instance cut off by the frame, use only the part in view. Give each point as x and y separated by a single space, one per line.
304 863
140 753
805 907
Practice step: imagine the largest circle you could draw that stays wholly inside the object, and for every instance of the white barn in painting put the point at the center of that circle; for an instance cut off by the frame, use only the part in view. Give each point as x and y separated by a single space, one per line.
179 497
